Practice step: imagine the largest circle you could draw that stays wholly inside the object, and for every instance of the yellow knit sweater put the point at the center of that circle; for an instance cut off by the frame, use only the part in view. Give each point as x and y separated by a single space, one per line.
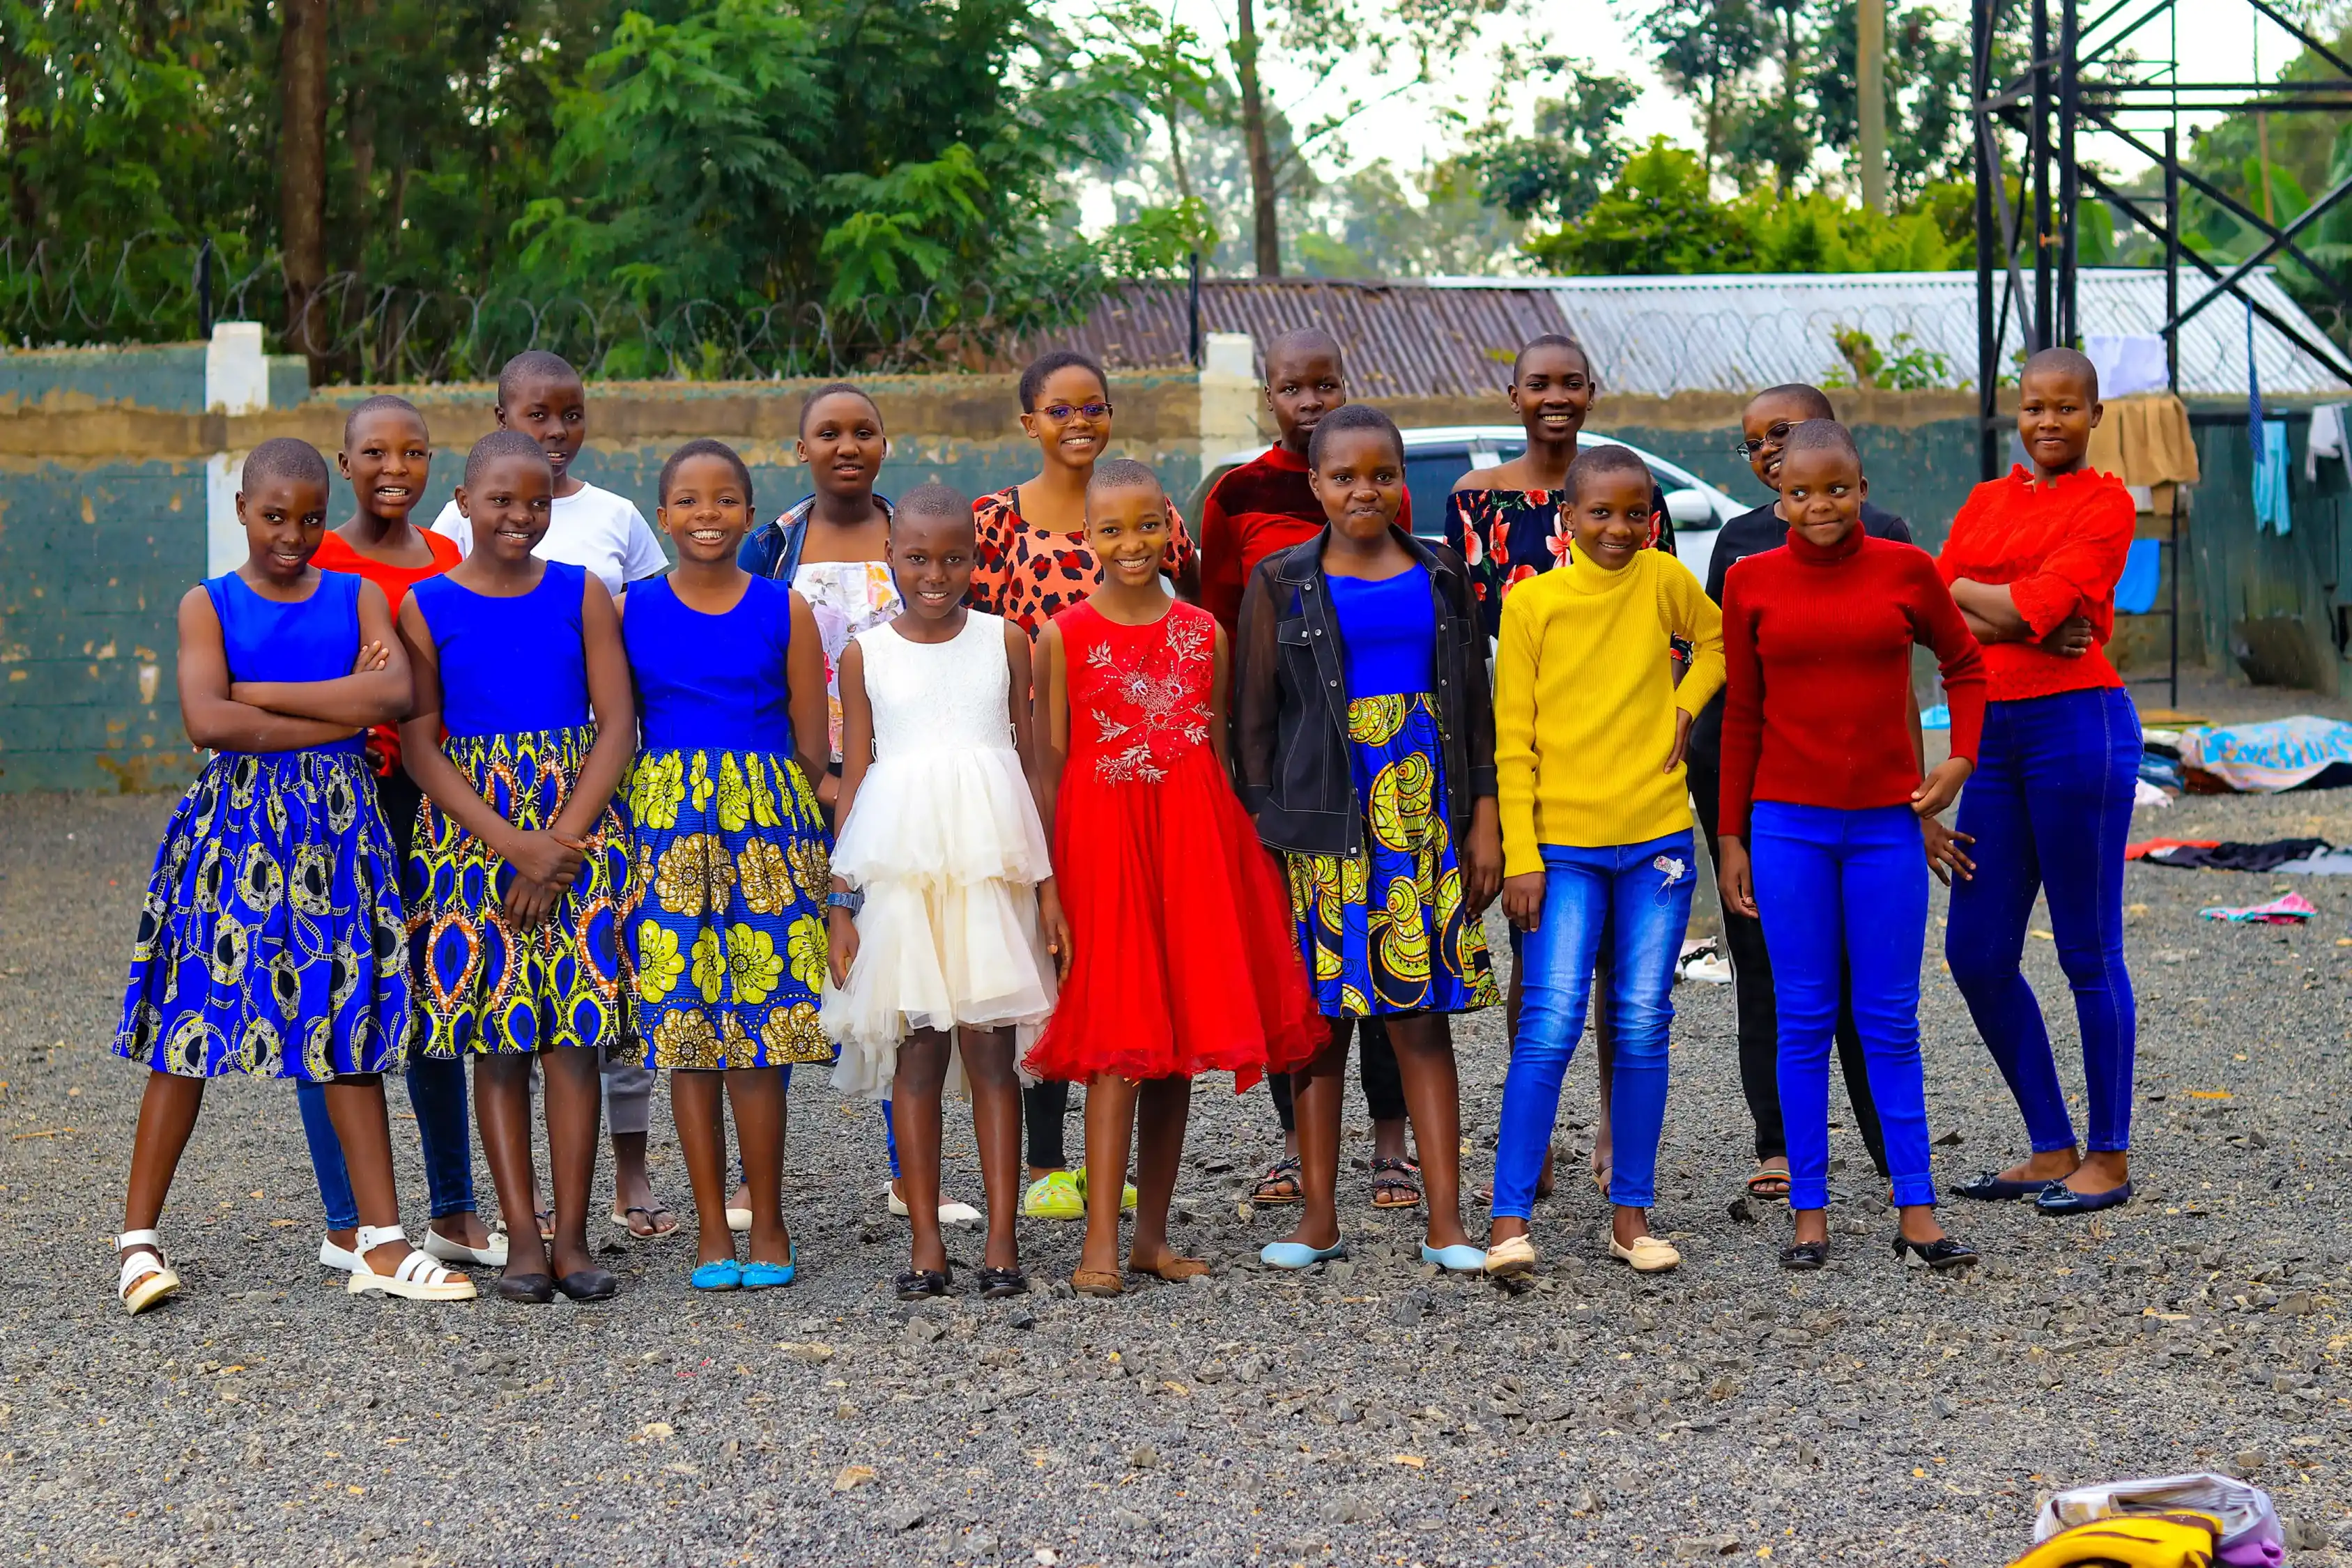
1585 699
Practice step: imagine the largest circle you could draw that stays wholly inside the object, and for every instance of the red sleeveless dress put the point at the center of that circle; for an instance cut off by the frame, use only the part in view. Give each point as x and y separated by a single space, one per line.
1183 961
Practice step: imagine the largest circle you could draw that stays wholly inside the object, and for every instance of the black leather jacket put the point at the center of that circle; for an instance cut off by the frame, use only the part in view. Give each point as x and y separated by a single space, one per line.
1290 747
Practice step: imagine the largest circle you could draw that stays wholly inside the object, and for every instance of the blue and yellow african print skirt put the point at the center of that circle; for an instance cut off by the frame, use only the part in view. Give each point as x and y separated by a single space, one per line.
487 988
269 942
1388 930
728 928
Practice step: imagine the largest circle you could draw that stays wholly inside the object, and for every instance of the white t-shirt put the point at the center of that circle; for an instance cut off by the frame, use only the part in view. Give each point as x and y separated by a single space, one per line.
591 528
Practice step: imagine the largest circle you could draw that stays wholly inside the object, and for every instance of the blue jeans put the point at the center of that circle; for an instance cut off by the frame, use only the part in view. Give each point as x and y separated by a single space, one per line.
2051 806
437 1093
1844 897
1637 897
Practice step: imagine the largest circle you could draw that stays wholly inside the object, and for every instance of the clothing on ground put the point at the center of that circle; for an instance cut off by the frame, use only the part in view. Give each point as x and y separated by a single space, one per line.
2292 909
591 528
2300 752
2272 856
2059 547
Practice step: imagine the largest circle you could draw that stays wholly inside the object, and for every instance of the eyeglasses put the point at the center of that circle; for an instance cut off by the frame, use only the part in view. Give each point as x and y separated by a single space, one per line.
1060 413
1775 434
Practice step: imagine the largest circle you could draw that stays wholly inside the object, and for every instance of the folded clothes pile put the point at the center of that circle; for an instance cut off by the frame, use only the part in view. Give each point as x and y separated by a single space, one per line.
2301 752
2169 1521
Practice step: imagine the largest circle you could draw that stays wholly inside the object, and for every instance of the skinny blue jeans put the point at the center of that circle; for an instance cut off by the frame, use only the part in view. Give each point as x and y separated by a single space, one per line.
437 1093
1844 896
2051 806
1638 895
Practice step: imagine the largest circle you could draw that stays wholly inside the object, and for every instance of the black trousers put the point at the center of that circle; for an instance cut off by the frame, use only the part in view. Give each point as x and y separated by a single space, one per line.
1759 1021
1376 1064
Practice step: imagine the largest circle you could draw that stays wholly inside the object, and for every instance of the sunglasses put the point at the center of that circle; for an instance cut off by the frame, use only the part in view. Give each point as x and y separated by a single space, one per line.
1774 434
1060 413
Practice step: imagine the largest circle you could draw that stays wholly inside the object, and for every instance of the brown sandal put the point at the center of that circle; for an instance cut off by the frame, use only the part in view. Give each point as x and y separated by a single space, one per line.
1394 1186
1269 1192
1095 1282
1176 1270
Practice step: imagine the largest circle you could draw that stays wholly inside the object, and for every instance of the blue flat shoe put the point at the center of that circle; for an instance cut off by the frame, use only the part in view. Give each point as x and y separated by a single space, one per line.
1298 1255
766 1276
723 1275
1990 1188
2060 1198
1462 1259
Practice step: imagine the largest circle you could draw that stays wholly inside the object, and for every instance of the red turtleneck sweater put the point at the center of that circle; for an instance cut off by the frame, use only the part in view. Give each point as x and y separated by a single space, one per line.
1819 644
2059 546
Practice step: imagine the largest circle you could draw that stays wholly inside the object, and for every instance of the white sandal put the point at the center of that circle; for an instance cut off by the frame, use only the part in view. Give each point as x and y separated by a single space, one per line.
418 1279
145 1280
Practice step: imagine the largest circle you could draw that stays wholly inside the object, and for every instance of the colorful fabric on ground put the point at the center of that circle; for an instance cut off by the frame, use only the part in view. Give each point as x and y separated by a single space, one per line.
488 988
1387 933
727 929
2280 754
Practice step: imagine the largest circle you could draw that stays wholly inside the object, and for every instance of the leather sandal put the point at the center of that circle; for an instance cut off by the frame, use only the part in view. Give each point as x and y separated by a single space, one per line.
1175 1269
1098 1283
1002 1284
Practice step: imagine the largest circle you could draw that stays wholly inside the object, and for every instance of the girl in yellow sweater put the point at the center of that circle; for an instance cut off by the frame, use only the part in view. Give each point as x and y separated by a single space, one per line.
1589 734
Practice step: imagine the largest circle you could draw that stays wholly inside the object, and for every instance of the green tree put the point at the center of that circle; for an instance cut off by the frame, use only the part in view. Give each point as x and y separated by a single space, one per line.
1656 217
1576 147
1706 50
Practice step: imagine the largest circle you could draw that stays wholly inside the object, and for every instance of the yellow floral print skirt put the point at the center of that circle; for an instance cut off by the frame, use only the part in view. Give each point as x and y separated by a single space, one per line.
728 930
1387 931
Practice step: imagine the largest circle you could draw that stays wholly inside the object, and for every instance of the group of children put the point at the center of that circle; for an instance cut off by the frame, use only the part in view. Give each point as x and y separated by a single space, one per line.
973 796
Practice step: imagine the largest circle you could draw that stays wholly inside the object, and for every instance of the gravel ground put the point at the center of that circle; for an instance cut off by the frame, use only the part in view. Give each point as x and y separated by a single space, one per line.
1368 1413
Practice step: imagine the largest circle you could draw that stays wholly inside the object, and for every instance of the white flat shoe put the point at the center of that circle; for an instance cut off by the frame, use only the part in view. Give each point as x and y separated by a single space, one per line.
147 1275
739 1220
416 1278
341 1259
437 1245
950 1213
1648 1254
1510 1257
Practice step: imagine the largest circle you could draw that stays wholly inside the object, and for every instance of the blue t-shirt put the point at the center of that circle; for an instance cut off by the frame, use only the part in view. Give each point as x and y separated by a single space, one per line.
509 666
711 682
1388 628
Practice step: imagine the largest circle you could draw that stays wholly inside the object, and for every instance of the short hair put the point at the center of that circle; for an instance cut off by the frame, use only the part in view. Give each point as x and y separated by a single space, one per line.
503 443
1304 341
1821 436
1352 416
2066 361
533 365
1608 458
284 457
1033 374
837 389
381 403
1549 340
934 500
1816 402
1118 474
701 446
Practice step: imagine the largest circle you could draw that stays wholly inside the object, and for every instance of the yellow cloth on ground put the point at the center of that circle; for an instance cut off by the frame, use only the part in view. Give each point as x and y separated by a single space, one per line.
2181 1539
1585 701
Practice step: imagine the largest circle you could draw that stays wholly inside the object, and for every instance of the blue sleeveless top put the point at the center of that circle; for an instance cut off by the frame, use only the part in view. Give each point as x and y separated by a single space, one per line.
266 639
1390 627
509 666
711 682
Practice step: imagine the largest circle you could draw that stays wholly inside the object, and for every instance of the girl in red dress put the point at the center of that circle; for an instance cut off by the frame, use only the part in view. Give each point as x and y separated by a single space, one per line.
1153 855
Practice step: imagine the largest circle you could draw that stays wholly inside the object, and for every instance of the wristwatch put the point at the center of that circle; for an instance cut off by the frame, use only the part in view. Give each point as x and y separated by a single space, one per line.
852 900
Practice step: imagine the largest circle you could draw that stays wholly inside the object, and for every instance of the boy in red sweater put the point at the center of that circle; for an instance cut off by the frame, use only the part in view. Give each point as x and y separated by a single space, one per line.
1250 512
1821 787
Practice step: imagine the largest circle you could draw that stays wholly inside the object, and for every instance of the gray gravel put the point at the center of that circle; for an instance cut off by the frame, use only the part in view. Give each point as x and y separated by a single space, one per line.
1368 1413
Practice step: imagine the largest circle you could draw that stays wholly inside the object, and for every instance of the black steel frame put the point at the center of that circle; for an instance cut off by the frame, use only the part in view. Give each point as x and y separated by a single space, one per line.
2081 82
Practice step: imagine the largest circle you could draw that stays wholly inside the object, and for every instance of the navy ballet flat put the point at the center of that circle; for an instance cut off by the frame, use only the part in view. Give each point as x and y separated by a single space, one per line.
1990 1188
2061 1199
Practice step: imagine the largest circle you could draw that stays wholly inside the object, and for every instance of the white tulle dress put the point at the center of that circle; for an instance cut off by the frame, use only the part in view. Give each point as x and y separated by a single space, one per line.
944 841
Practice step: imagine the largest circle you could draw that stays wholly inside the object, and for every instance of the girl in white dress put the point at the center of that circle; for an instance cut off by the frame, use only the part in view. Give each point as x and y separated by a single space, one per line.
944 926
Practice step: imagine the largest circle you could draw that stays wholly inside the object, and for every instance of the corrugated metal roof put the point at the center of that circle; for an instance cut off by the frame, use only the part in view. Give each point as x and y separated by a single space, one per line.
1658 336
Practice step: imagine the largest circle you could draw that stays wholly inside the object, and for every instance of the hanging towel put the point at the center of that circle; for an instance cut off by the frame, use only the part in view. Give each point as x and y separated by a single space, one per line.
2270 480
2327 440
2135 589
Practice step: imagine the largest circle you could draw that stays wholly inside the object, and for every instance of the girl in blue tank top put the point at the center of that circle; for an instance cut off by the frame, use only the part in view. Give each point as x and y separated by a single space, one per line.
270 939
727 937
520 732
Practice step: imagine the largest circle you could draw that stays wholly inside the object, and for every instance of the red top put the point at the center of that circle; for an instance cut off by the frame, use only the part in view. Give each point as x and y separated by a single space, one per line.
2059 547
335 556
1028 574
1819 644
1252 511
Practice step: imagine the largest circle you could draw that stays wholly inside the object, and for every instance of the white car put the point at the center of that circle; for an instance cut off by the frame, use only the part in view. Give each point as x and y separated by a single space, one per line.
1435 458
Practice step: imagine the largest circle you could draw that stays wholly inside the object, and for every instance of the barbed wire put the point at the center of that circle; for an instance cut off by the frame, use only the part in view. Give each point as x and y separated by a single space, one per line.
153 289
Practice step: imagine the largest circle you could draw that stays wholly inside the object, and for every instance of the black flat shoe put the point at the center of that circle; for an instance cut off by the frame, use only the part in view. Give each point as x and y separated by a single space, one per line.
1002 1284
2060 1198
1990 1188
590 1285
1942 1256
525 1289
922 1284
1804 1257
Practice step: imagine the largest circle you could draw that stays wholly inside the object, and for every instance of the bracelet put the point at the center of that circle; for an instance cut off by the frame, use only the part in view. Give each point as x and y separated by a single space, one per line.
852 901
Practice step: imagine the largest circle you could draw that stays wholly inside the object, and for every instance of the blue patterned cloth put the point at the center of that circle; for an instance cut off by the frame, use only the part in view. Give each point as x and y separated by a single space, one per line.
1389 931
269 942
